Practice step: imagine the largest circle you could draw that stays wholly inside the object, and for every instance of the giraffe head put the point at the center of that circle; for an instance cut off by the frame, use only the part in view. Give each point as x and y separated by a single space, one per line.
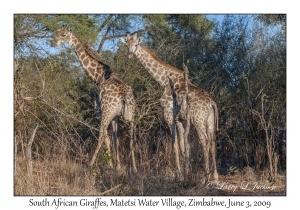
131 43
62 35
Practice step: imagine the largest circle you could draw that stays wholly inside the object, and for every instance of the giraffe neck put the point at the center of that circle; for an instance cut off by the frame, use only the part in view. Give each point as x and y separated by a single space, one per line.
159 70
96 70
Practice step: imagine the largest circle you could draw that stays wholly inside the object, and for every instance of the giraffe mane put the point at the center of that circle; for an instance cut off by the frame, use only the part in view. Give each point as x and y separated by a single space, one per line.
115 78
95 55
166 65
91 52
161 62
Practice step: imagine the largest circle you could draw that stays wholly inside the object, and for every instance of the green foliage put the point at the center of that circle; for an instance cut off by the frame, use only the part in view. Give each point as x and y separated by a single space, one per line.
107 157
191 24
272 19
84 25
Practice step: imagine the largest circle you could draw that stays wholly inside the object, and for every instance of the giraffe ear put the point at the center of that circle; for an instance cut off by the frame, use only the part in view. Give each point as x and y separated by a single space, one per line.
123 40
140 39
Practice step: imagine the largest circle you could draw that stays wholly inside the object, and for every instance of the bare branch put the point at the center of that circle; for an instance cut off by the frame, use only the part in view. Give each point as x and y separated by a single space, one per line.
107 31
103 40
105 23
70 116
117 36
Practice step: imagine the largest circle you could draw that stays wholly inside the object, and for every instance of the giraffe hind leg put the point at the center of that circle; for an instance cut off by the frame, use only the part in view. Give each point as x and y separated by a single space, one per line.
116 142
107 117
203 140
132 148
128 116
211 128
128 105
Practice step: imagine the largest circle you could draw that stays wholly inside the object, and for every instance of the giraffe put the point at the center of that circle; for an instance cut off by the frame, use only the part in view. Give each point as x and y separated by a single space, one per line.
116 98
202 109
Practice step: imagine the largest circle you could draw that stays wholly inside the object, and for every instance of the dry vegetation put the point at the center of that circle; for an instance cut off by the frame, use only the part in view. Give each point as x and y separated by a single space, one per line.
60 174
67 178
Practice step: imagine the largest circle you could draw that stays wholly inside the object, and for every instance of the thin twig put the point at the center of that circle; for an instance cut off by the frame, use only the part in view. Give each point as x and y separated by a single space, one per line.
110 190
70 116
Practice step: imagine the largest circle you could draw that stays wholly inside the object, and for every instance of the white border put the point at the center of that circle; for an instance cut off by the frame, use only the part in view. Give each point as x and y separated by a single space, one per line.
8 201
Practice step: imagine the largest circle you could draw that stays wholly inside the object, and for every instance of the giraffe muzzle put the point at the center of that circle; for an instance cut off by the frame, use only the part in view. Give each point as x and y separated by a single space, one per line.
130 55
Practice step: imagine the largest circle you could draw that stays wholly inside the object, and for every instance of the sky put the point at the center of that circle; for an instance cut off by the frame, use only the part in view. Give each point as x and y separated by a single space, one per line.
218 17
111 44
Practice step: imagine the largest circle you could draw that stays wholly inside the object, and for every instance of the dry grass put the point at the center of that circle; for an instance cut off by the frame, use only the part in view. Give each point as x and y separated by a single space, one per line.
66 177
61 170
54 178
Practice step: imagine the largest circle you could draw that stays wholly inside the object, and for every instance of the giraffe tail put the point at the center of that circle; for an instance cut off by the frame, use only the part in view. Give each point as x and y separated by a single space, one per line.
129 106
216 116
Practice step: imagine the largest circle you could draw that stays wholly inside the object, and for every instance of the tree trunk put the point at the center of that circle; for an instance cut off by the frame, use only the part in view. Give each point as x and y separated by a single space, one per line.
28 152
